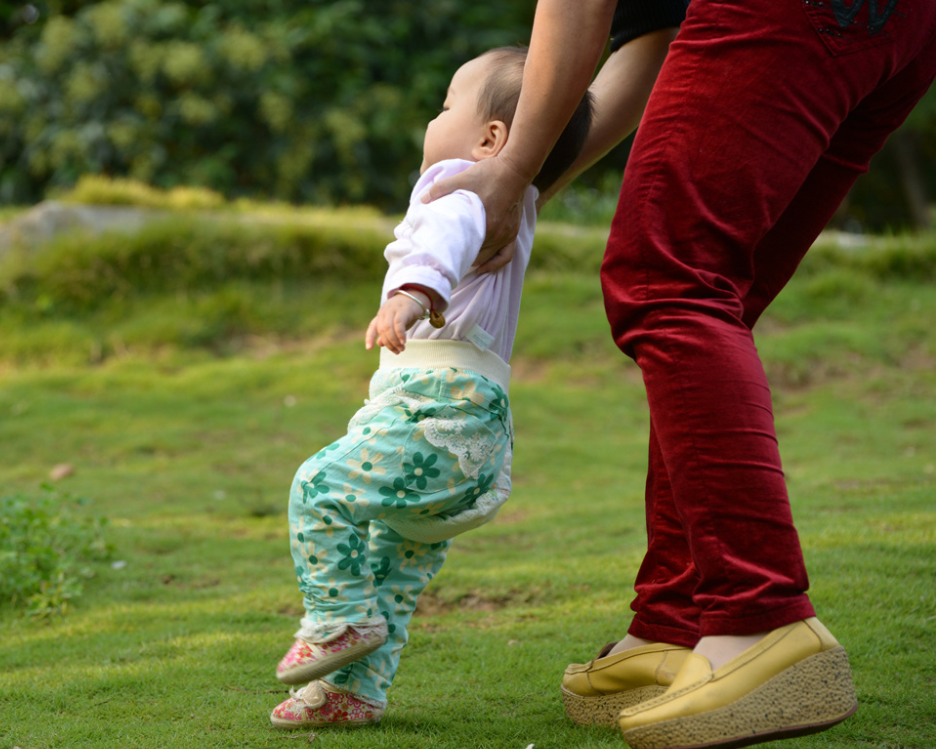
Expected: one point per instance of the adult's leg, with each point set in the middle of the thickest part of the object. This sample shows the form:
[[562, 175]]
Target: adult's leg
[[667, 578], [750, 181], [664, 609], [728, 143], [643, 664], [860, 136]]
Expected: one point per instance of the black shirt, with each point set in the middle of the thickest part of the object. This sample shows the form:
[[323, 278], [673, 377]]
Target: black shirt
[[634, 18]]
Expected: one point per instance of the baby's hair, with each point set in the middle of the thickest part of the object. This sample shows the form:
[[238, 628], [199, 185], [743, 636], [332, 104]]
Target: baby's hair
[[498, 99], [500, 93]]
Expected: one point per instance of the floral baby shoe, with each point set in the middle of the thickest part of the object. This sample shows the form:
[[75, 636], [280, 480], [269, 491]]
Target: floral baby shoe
[[307, 661], [318, 704]]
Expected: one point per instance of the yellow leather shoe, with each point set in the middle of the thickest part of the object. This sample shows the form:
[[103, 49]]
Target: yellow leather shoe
[[794, 682], [596, 692]]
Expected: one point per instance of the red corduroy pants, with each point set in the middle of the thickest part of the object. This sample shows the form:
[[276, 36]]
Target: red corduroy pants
[[764, 114]]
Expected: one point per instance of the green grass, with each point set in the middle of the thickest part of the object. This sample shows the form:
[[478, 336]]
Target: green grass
[[185, 417]]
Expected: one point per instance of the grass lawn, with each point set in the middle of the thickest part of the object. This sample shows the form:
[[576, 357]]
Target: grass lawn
[[189, 453]]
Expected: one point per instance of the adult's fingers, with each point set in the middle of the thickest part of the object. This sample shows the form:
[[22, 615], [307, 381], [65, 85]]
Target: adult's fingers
[[502, 230], [492, 262], [443, 187]]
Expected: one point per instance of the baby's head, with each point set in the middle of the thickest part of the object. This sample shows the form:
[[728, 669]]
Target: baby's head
[[479, 109]]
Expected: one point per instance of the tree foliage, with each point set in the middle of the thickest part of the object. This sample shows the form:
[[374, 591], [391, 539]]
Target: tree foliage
[[313, 100]]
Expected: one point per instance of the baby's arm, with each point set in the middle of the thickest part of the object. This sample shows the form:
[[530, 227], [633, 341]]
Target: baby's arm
[[434, 250], [436, 245]]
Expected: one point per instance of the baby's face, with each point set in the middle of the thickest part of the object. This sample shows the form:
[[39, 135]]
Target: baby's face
[[458, 127]]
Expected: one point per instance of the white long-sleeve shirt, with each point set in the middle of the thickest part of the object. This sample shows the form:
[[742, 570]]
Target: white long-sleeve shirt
[[436, 245]]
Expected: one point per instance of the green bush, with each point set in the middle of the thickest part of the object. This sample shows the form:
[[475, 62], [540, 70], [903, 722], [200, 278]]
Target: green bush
[[46, 543], [182, 254], [896, 257], [245, 272], [98, 190], [901, 257], [586, 204]]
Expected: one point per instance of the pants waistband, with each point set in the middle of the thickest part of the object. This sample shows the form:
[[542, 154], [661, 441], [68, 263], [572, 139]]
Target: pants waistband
[[439, 354]]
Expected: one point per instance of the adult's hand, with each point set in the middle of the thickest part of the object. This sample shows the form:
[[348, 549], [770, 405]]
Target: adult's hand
[[489, 261], [501, 188]]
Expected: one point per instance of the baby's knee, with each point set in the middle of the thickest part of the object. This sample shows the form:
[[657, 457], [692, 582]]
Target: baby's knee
[[310, 485]]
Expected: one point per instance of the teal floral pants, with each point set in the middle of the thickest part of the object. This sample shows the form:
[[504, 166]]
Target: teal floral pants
[[428, 443]]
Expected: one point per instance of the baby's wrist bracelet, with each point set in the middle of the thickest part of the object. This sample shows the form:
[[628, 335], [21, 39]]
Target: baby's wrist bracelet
[[436, 319]]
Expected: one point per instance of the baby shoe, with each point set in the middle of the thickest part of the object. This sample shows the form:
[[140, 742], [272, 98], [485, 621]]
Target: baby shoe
[[307, 661], [320, 704]]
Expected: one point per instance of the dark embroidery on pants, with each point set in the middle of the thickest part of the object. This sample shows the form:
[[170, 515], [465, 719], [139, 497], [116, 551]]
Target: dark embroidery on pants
[[877, 17]]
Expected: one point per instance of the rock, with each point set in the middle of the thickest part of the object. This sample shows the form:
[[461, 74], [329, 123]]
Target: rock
[[51, 218]]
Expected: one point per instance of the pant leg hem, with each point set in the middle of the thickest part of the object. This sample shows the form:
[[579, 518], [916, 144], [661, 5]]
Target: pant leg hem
[[312, 630], [663, 633], [726, 624], [380, 704]]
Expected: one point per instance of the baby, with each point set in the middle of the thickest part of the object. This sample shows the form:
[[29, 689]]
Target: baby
[[372, 515]]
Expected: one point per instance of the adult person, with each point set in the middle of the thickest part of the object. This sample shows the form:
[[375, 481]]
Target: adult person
[[762, 117]]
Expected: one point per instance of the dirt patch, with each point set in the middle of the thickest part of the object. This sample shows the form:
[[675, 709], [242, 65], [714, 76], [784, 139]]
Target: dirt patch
[[874, 486], [206, 582], [802, 375], [528, 370], [511, 517], [430, 605]]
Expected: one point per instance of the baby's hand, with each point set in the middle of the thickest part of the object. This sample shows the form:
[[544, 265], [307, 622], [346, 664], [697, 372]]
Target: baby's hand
[[393, 319]]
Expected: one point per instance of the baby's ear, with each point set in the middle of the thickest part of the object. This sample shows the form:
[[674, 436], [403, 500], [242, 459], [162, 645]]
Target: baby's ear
[[493, 139]]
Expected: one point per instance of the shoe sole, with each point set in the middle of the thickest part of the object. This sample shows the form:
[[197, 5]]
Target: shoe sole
[[280, 723], [324, 666], [808, 697], [603, 710]]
